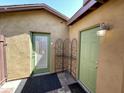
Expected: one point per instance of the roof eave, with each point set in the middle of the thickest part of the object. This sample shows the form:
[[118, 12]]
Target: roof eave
[[17, 8], [84, 9]]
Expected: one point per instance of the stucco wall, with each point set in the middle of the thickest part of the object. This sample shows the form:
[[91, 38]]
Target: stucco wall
[[16, 27], [123, 81], [111, 58]]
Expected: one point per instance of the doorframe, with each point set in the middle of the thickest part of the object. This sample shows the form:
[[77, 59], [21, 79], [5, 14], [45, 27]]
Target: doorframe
[[32, 66], [79, 43], [88, 28]]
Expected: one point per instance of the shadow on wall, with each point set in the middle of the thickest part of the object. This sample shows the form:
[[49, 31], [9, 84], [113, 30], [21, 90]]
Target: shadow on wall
[[16, 27]]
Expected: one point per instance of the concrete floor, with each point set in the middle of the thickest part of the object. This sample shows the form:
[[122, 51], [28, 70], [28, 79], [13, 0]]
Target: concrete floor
[[65, 79], [16, 86], [10, 87]]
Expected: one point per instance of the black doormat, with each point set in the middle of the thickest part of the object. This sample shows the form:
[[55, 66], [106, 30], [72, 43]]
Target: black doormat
[[76, 88], [42, 84]]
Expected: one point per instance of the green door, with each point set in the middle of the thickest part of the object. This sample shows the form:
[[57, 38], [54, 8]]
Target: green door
[[41, 49], [88, 58]]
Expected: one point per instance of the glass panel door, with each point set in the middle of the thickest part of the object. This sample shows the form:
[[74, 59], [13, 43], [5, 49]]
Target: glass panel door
[[41, 52]]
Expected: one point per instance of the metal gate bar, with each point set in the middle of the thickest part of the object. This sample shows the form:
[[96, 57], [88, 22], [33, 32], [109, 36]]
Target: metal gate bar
[[59, 55], [66, 54], [73, 65]]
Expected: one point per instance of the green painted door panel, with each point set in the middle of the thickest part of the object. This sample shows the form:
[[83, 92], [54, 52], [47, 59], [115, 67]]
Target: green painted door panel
[[88, 58], [41, 52]]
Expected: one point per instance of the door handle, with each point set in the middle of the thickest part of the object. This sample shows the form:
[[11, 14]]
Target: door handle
[[96, 66]]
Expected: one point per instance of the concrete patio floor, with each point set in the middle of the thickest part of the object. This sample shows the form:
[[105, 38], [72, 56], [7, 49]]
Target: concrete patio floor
[[17, 85], [10, 87], [65, 79]]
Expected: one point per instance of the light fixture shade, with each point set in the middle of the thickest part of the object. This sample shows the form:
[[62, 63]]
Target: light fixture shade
[[101, 32], [103, 29]]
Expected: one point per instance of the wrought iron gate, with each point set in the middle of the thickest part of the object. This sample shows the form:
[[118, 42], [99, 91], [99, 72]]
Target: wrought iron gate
[[59, 55], [2, 60], [66, 56], [73, 64]]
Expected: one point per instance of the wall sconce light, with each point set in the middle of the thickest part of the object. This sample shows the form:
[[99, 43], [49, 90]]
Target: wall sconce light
[[103, 29], [51, 43]]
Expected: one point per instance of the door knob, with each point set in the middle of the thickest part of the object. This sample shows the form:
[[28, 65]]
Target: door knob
[[96, 66]]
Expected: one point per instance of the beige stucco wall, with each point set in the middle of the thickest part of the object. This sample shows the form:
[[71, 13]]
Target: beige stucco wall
[[123, 81], [16, 27], [111, 59]]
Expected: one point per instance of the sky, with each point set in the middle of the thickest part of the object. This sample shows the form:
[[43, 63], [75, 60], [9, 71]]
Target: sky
[[66, 7]]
